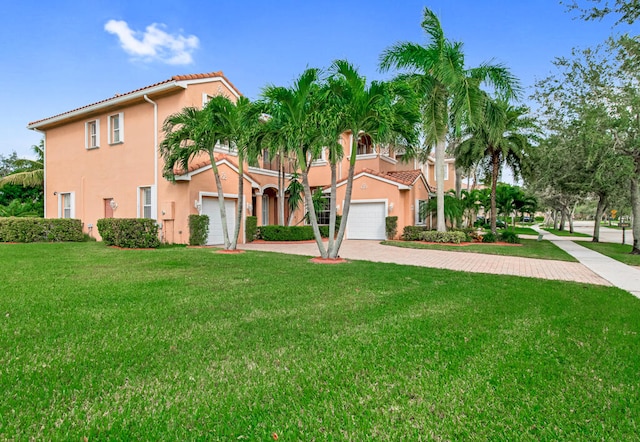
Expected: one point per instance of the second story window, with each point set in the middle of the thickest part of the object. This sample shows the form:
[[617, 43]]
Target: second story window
[[116, 128], [365, 145], [92, 134]]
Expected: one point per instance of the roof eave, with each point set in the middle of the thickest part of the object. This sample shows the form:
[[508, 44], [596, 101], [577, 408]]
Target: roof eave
[[38, 125]]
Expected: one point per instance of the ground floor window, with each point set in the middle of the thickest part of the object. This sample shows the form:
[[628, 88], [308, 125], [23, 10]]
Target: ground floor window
[[421, 216], [145, 202]]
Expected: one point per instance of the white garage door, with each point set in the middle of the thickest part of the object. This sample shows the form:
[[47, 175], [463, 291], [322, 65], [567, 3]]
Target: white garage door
[[366, 221], [211, 208]]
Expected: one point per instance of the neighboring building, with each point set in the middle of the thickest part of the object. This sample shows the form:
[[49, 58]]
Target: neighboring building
[[101, 160]]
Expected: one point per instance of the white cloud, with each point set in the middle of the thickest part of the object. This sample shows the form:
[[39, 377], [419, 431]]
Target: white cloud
[[154, 44]]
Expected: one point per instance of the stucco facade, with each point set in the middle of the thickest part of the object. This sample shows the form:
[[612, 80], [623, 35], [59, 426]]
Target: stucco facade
[[102, 160]]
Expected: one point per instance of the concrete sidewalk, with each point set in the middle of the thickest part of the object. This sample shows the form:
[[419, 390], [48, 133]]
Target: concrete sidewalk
[[618, 274], [461, 261]]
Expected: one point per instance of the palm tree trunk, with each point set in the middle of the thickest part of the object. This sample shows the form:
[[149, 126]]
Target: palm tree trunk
[[240, 208], [440, 147], [332, 208], [312, 213], [345, 210], [281, 189], [494, 184], [223, 211]]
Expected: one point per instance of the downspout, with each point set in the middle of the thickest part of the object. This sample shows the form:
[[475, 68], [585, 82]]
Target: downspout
[[155, 150]]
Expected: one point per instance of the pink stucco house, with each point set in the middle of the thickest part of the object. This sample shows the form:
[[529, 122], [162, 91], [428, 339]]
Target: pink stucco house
[[101, 160]]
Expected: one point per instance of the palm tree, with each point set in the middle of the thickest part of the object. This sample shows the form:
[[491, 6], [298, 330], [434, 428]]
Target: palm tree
[[29, 173], [295, 114], [382, 111], [450, 92], [189, 133], [503, 136], [236, 124]]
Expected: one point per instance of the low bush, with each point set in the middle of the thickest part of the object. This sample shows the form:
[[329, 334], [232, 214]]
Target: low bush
[[391, 226], [412, 233], [18, 229], [443, 237], [286, 233], [130, 233], [510, 237], [198, 229], [251, 228], [489, 237]]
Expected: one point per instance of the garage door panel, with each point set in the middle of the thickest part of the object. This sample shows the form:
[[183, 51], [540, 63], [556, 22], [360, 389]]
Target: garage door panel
[[211, 208], [366, 221]]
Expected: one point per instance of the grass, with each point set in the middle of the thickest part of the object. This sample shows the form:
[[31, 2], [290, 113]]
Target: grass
[[619, 252], [521, 230], [184, 344], [530, 248], [565, 232]]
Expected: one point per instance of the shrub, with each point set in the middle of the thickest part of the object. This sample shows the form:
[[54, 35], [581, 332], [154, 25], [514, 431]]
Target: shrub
[[198, 230], [539, 219], [510, 237], [470, 234], [324, 230], [286, 233], [412, 233], [489, 237], [15, 229], [391, 226], [443, 237], [251, 228], [130, 233]]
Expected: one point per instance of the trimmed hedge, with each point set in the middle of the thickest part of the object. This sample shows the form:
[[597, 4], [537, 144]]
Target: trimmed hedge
[[198, 229], [286, 233], [413, 233], [130, 233], [391, 226], [14, 229], [443, 237], [251, 228]]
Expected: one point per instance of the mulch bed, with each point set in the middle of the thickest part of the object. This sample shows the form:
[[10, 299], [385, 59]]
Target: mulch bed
[[319, 260]]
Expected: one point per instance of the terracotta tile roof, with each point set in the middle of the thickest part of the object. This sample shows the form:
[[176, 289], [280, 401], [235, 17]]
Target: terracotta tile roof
[[406, 177], [187, 77]]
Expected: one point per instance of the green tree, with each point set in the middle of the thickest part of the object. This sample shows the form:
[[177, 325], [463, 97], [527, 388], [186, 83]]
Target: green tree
[[627, 11], [450, 92], [26, 172], [503, 136], [187, 134]]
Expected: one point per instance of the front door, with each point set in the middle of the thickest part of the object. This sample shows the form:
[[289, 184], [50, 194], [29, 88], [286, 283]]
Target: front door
[[108, 209]]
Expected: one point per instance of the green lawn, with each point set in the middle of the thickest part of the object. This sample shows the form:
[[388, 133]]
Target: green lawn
[[530, 248], [616, 251], [565, 232], [184, 344], [521, 230]]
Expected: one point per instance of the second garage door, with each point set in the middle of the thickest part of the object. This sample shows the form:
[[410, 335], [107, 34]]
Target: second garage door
[[211, 208], [366, 221]]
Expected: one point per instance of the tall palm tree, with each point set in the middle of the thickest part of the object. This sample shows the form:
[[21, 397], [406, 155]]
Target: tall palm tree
[[380, 110], [189, 133], [450, 92], [29, 173], [504, 135], [295, 114], [236, 124]]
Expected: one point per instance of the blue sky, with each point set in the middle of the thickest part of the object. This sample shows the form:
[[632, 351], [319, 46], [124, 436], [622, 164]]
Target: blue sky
[[58, 56]]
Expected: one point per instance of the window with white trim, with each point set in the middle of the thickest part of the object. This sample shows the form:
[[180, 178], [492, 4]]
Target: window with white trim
[[116, 128], [66, 205], [446, 171], [146, 204], [92, 134], [421, 212]]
